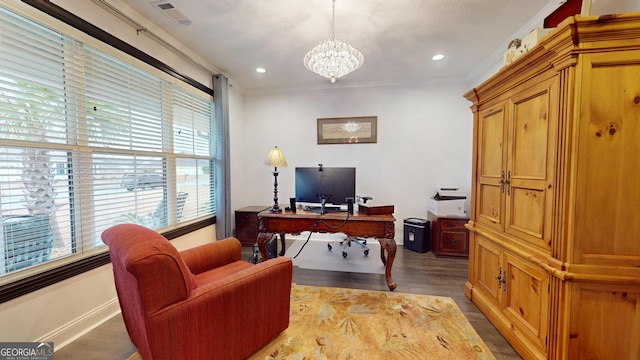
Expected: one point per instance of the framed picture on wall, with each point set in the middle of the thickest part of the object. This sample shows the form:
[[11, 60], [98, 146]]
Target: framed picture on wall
[[348, 130]]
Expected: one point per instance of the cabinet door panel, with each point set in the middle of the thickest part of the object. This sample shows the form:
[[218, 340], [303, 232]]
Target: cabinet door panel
[[530, 134], [527, 208], [487, 266], [492, 128], [489, 206], [531, 161], [526, 301], [491, 169], [607, 199], [605, 322]]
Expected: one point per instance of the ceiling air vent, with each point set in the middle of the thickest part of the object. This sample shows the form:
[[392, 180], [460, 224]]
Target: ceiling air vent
[[169, 10]]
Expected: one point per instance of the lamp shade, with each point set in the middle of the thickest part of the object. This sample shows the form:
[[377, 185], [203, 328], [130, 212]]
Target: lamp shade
[[276, 158]]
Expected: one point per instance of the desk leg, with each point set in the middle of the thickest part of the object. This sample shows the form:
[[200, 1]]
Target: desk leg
[[388, 246], [282, 244], [263, 239]]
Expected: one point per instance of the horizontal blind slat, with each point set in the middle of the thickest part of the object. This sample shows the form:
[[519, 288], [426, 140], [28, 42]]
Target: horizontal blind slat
[[88, 141]]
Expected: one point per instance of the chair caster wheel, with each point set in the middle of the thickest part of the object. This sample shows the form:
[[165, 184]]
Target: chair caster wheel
[[344, 254], [329, 246], [366, 253]]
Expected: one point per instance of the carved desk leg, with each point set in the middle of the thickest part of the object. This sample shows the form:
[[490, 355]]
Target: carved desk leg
[[282, 244], [263, 239], [388, 246]]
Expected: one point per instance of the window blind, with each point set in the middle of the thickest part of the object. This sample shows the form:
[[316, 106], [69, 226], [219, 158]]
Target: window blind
[[87, 141]]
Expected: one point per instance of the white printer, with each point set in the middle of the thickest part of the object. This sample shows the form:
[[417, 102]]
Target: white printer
[[449, 201]]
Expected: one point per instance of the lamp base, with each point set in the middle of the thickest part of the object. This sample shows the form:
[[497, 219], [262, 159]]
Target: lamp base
[[275, 207]]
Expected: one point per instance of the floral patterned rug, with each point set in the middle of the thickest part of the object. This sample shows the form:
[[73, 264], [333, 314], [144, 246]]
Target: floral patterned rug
[[334, 323]]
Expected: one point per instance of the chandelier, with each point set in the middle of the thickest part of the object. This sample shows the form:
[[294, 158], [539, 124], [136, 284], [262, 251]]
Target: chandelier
[[333, 58]]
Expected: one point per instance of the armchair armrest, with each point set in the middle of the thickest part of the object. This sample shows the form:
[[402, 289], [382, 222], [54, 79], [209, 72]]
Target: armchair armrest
[[209, 256], [268, 273]]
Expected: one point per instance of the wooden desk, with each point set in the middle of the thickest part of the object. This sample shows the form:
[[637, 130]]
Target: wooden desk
[[380, 227]]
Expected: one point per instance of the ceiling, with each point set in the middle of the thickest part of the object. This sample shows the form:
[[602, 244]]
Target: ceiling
[[397, 38]]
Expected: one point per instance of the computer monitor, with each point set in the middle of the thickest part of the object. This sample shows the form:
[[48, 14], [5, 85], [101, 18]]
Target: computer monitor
[[332, 184]]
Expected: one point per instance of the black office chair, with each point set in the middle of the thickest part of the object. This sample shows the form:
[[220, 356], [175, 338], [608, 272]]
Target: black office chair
[[345, 243]]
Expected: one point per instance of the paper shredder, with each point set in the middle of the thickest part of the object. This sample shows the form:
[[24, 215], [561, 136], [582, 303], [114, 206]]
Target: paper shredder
[[417, 234]]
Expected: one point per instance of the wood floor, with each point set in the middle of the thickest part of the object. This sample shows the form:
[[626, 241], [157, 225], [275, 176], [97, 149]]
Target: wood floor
[[413, 273]]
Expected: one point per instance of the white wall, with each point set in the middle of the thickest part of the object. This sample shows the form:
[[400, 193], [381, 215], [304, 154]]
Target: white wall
[[237, 151], [604, 7], [424, 140]]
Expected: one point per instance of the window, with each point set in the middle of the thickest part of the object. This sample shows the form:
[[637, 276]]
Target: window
[[87, 141]]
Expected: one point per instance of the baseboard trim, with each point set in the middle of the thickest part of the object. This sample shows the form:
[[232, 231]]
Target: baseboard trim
[[80, 326]]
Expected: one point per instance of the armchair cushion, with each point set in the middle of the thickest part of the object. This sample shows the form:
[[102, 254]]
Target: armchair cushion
[[201, 303]]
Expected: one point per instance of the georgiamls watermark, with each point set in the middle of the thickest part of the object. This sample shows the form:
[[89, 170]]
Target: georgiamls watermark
[[26, 351]]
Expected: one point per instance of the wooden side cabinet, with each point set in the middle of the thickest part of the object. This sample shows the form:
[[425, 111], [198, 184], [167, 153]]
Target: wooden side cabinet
[[247, 224], [449, 237]]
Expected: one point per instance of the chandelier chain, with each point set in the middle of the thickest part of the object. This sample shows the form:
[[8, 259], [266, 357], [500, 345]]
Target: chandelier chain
[[333, 21]]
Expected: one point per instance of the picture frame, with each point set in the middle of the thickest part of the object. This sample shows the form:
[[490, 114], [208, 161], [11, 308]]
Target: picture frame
[[348, 130]]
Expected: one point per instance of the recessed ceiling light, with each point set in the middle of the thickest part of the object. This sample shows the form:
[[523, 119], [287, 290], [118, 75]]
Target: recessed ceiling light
[[437, 57], [261, 70]]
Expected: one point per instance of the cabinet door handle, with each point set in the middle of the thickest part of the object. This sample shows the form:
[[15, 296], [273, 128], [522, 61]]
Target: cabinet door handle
[[502, 182], [453, 242], [508, 182], [502, 279]]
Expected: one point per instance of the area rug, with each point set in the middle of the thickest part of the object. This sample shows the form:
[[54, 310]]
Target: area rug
[[335, 323], [316, 255]]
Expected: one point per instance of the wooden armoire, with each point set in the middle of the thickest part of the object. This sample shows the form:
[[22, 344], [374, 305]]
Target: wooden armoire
[[555, 222]]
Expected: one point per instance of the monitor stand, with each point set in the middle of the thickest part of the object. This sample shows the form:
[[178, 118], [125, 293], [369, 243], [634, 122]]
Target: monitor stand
[[323, 209]]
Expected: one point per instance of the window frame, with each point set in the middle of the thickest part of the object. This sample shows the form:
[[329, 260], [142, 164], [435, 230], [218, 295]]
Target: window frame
[[52, 274]]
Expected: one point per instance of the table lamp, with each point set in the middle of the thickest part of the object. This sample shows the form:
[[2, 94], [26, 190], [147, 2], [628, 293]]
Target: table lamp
[[276, 159]]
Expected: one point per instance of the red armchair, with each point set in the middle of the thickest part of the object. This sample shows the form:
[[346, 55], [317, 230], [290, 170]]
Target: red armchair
[[201, 303]]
